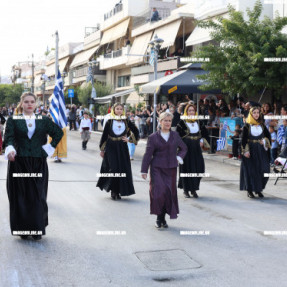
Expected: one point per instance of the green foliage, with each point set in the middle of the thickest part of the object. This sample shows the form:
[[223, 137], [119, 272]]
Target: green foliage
[[84, 94], [237, 64], [10, 94]]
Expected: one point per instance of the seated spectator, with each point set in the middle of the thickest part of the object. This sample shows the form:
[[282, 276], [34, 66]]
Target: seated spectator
[[155, 16]]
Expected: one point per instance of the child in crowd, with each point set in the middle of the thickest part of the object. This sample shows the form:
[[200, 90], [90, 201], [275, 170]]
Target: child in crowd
[[235, 141], [274, 145]]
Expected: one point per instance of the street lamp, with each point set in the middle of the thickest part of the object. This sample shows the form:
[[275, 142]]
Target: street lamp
[[154, 47]]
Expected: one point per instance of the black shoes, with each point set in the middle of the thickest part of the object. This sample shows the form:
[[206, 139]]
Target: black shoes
[[115, 196], [161, 222], [250, 194], [186, 194], [158, 224], [260, 194], [164, 224], [194, 194]]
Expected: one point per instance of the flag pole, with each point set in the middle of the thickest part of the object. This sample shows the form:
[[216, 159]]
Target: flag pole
[[56, 55]]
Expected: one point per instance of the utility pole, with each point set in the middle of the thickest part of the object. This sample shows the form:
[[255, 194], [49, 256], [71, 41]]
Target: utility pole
[[33, 78], [56, 56]]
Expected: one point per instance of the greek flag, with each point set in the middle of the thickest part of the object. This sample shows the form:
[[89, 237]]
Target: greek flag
[[90, 77], [221, 144], [280, 134], [57, 105], [151, 57]]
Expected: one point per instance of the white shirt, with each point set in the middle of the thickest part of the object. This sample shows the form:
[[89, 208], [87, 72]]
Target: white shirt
[[256, 130], [85, 123], [193, 127], [118, 127]]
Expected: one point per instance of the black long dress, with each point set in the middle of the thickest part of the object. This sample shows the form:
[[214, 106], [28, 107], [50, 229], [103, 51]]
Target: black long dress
[[252, 169], [193, 161], [28, 195], [116, 159]]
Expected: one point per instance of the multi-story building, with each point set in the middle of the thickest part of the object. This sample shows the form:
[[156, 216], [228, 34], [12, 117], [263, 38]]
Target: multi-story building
[[119, 40]]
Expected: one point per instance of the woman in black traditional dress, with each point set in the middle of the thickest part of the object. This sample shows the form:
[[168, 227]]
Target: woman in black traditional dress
[[193, 134], [255, 149], [115, 153], [26, 145]]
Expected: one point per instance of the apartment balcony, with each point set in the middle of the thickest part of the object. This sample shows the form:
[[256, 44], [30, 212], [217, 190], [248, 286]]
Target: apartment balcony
[[114, 59], [80, 74]]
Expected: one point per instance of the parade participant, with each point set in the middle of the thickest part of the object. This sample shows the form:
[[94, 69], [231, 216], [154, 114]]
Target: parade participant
[[255, 149], [193, 134], [27, 149], [114, 150], [162, 156], [85, 130]]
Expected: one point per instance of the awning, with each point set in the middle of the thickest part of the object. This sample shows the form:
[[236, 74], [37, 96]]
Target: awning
[[108, 99], [199, 35], [139, 47], [168, 33], [116, 32], [182, 83], [83, 57], [50, 71]]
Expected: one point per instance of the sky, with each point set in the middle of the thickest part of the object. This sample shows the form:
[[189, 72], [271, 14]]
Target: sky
[[27, 26]]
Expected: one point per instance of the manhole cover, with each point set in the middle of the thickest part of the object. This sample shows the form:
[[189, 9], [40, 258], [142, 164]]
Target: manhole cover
[[167, 260]]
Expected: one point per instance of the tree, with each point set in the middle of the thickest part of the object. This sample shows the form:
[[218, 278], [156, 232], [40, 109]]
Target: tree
[[10, 94], [85, 93], [237, 64]]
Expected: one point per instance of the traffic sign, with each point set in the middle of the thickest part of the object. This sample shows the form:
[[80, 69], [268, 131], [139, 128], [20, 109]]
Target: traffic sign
[[71, 93]]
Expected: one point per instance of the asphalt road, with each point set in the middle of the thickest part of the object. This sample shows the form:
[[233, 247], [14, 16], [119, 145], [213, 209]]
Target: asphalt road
[[234, 251]]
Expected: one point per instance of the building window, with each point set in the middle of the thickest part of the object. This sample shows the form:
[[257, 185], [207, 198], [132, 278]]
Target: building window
[[123, 81]]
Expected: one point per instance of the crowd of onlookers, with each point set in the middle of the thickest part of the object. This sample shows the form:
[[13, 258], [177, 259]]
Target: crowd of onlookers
[[212, 109]]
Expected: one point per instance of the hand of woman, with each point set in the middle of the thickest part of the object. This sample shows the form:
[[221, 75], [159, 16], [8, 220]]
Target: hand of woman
[[144, 176], [102, 153], [125, 139], [201, 144], [247, 154], [11, 156], [262, 142]]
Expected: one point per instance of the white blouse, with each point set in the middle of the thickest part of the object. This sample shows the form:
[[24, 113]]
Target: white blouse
[[118, 127], [193, 127], [256, 130]]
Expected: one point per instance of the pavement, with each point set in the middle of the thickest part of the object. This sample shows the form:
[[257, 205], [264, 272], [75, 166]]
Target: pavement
[[220, 239]]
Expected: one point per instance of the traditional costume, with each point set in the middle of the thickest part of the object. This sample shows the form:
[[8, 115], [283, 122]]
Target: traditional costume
[[252, 169], [116, 157], [28, 195], [192, 132]]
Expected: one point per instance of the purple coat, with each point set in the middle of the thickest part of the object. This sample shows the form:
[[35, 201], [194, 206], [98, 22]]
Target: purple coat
[[160, 153]]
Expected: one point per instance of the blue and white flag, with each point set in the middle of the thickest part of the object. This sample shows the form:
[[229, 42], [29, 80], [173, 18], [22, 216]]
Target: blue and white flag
[[280, 134], [90, 76], [221, 143], [57, 105], [151, 57]]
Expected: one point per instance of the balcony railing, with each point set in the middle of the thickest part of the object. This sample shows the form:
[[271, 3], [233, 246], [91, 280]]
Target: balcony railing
[[82, 72], [118, 8], [114, 54], [145, 17]]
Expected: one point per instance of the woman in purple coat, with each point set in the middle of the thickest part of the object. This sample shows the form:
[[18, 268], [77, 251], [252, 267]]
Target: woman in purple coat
[[162, 156]]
